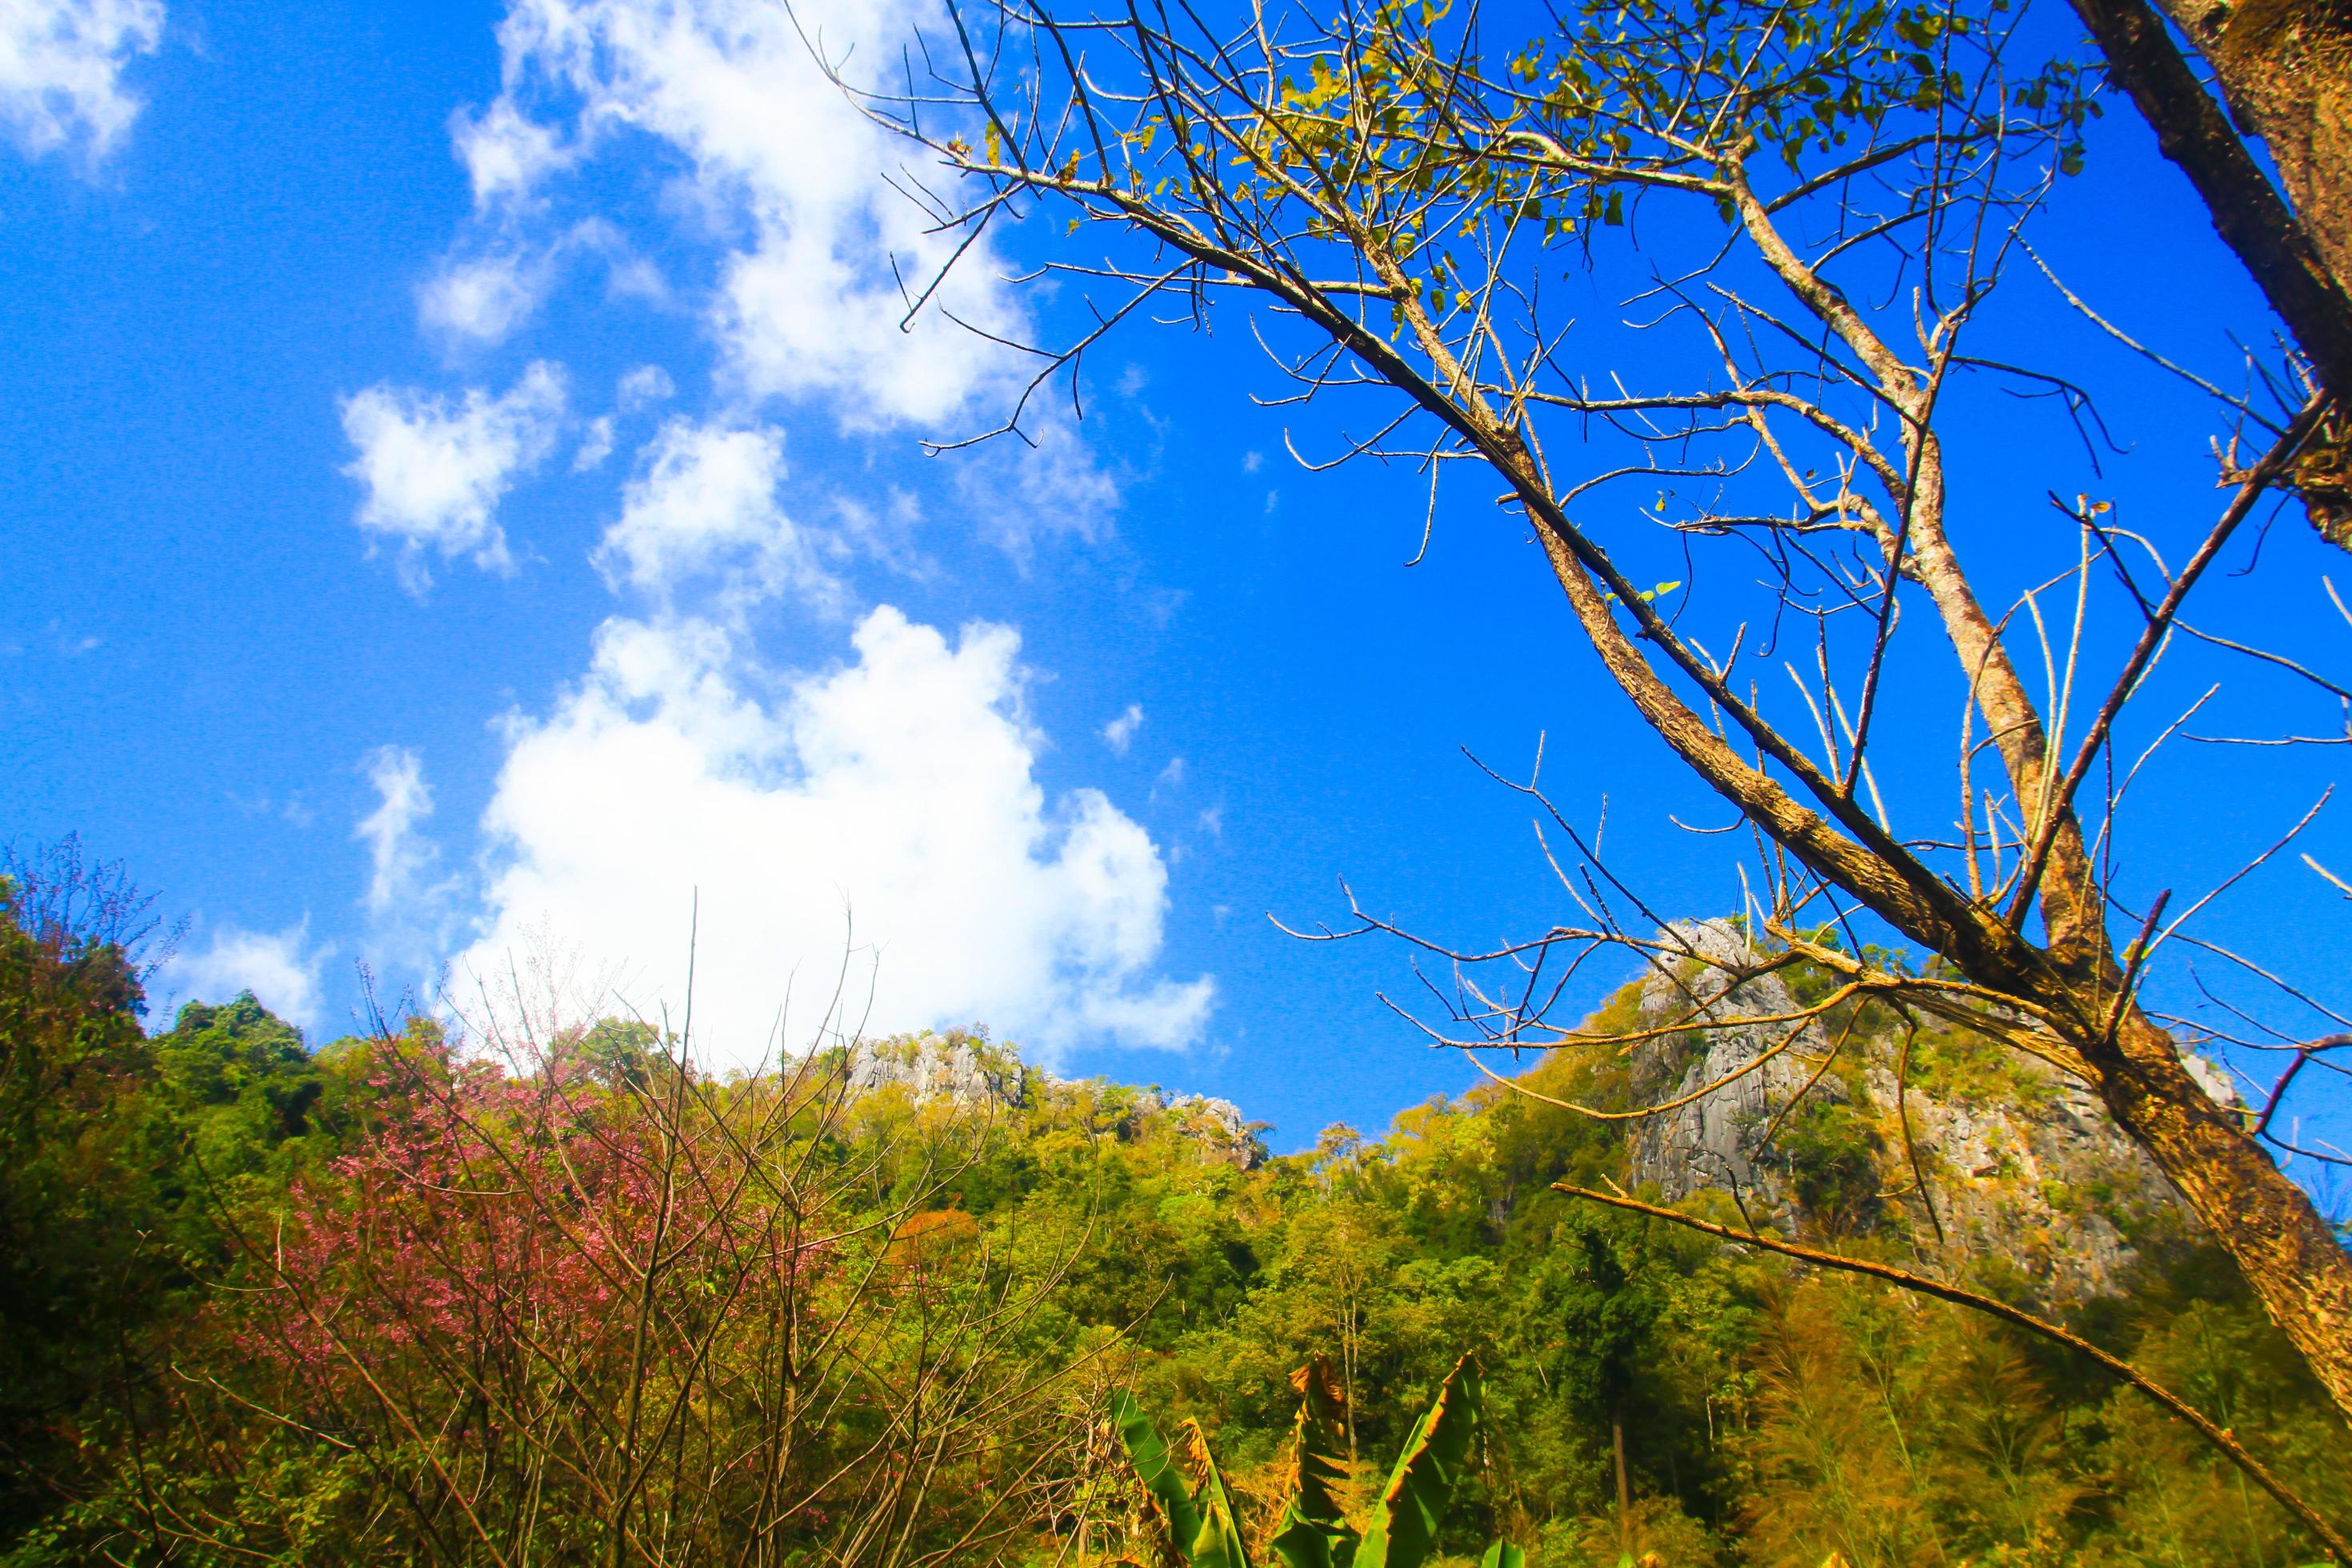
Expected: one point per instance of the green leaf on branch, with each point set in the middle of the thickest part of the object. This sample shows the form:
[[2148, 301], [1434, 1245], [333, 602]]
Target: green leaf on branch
[[1647, 595]]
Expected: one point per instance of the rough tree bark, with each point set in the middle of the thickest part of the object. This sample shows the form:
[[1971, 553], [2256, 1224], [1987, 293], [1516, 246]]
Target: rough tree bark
[[2285, 67]]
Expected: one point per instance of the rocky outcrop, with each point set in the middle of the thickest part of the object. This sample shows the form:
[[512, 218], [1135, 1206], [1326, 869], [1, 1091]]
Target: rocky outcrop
[[970, 1071], [1714, 1137], [2019, 1170], [1217, 1125], [967, 1069]]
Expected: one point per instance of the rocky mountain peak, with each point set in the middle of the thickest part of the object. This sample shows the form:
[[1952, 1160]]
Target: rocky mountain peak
[[2005, 1160], [970, 1071]]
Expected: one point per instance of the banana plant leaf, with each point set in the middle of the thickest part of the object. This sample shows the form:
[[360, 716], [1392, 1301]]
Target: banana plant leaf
[[1413, 1505], [1217, 1544], [1312, 1531], [1157, 1469]]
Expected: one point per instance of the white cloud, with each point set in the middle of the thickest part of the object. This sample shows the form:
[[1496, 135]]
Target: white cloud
[[705, 509], [487, 298], [399, 859], [435, 470], [410, 909], [644, 387], [494, 284], [902, 786], [1051, 488], [778, 199], [595, 446], [505, 154], [60, 69], [808, 300], [1119, 731], [271, 964], [900, 790], [637, 390]]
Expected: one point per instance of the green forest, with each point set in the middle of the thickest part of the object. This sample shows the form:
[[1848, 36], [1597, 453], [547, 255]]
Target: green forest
[[558, 1297]]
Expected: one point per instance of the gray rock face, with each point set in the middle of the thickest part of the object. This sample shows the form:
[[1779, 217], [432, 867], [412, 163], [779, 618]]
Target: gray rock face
[[966, 1070], [2029, 1177], [1714, 1139], [2052, 1187], [955, 1067], [1217, 1125]]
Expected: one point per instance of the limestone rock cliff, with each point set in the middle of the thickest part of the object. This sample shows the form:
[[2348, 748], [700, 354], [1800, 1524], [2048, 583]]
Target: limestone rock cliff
[[2010, 1168], [967, 1069], [970, 1071]]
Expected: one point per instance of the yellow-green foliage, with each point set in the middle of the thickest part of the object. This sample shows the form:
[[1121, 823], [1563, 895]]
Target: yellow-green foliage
[[1769, 1417], [1307, 1528]]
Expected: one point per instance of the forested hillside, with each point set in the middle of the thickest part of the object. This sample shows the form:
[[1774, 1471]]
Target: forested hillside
[[548, 1299]]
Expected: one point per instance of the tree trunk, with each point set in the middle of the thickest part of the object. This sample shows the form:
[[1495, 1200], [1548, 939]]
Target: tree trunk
[[2285, 67], [1348, 1369], [2288, 1254], [1624, 1488]]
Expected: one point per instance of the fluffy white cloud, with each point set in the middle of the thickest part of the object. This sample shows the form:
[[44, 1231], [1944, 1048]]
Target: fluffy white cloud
[[899, 791], [808, 299], [643, 387], [399, 859], [486, 297], [505, 154], [777, 187], [487, 290], [61, 68], [436, 468], [704, 511], [273, 966], [1119, 734], [594, 446], [411, 908]]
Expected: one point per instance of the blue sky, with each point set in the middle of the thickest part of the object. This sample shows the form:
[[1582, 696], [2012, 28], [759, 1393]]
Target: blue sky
[[464, 495]]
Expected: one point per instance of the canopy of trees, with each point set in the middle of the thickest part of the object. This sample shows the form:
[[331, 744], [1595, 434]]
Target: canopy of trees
[[545, 1296]]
